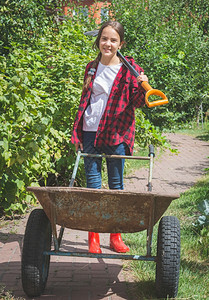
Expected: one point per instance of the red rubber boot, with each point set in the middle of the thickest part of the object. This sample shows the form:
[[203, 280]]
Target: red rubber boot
[[117, 244], [94, 244]]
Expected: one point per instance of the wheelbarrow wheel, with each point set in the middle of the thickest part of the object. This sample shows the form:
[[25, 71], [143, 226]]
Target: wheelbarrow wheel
[[35, 265], [168, 257]]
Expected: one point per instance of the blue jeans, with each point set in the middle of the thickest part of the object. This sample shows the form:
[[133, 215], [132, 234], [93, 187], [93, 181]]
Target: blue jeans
[[93, 166]]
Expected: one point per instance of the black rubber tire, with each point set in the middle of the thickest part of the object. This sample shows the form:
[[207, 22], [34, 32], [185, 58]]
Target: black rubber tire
[[168, 257], [35, 265]]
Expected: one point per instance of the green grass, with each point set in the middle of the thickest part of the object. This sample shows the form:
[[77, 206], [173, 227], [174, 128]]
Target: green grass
[[7, 295], [194, 270], [199, 132]]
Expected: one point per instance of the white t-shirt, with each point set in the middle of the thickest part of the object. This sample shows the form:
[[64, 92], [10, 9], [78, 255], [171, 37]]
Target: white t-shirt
[[101, 89]]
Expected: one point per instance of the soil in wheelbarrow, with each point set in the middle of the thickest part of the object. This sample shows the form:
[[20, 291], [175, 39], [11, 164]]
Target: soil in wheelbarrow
[[81, 278]]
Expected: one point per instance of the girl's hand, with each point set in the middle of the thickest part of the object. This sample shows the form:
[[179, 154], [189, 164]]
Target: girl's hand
[[79, 146], [142, 77]]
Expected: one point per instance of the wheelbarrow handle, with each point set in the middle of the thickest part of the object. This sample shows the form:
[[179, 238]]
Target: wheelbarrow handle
[[75, 168], [149, 90]]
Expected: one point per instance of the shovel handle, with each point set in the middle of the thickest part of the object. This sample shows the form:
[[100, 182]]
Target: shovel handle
[[149, 90]]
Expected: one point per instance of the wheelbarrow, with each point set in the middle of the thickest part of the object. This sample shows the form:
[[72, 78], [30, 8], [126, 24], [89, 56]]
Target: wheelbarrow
[[104, 211]]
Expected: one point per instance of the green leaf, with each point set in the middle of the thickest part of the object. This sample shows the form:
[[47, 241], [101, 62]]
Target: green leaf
[[20, 106], [20, 184], [4, 144], [33, 145], [204, 207]]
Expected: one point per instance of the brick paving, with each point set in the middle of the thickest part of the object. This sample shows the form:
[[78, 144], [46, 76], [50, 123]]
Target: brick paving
[[174, 172], [88, 279]]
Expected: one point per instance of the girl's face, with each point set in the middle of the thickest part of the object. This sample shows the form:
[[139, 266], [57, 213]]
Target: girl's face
[[109, 42]]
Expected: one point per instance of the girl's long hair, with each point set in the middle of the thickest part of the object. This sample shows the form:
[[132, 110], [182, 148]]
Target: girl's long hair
[[119, 29]]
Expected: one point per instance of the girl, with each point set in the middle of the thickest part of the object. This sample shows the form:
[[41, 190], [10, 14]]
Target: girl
[[105, 120]]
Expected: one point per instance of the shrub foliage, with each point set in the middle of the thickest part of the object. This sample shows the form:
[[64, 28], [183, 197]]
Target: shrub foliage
[[40, 87], [169, 39]]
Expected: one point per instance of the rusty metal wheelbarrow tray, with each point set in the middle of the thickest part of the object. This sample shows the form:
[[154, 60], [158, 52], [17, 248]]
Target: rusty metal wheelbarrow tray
[[101, 210]]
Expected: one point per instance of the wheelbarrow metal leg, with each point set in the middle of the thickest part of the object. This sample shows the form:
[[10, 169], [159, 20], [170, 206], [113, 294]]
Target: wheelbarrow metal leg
[[150, 228], [56, 240], [60, 235], [151, 155]]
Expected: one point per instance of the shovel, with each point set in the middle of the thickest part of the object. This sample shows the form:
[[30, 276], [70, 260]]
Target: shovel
[[149, 90]]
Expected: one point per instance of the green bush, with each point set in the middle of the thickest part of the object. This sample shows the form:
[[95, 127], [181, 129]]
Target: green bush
[[169, 39], [40, 88], [23, 21], [146, 133]]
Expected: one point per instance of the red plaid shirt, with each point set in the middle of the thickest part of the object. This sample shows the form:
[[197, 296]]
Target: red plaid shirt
[[117, 124]]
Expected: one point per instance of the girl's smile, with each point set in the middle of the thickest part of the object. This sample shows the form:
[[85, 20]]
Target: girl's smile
[[108, 45]]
